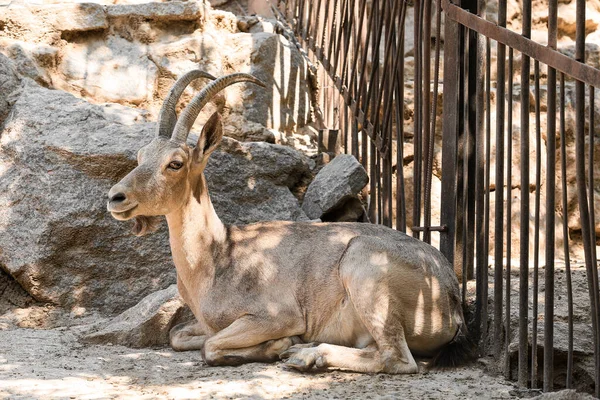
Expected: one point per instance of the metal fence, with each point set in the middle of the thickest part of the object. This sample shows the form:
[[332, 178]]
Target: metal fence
[[366, 65]]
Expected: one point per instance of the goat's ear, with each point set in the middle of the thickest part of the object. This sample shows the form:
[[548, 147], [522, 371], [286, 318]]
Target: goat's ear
[[209, 138]]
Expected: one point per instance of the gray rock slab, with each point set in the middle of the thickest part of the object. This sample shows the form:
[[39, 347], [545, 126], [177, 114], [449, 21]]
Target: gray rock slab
[[147, 323], [171, 11], [45, 18], [74, 17]]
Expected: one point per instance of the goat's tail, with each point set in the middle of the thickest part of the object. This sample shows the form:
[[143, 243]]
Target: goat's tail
[[459, 351]]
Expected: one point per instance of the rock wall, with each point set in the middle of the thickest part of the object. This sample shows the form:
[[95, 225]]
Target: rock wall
[[132, 53]]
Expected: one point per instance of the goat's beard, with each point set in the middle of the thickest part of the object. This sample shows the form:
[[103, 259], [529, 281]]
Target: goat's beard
[[143, 225]]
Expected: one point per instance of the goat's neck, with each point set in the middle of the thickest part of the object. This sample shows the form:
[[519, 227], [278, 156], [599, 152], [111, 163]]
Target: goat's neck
[[196, 234]]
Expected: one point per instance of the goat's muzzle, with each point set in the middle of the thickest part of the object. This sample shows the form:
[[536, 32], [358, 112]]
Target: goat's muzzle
[[119, 205]]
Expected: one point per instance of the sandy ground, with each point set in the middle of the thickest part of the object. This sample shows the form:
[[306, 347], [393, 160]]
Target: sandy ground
[[52, 364]]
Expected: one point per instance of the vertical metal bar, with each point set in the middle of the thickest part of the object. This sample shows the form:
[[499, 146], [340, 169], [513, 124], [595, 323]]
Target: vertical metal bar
[[390, 85], [354, 125], [323, 32], [342, 17], [351, 90], [591, 170], [357, 53], [365, 152], [464, 146], [400, 193], [548, 339], [369, 105], [332, 32], [348, 24], [536, 240], [418, 132], [452, 71], [524, 224], [387, 185], [360, 98], [325, 98], [483, 256], [378, 173], [387, 65], [436, 79], [481, 260], [373, 182], [509, 157], [461, 162], [471, 140], [499, 195], [581, 181], [426, 109], [307, 31], [300, 25], [317, 29], [550, 207]]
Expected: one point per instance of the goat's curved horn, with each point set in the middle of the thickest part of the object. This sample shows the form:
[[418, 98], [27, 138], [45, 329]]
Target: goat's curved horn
[[189, 115], [167, 116]]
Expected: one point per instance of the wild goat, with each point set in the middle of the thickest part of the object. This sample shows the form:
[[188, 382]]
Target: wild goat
[[344, 295]]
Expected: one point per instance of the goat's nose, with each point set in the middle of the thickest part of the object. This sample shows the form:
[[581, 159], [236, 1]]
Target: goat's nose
[[117, 197]]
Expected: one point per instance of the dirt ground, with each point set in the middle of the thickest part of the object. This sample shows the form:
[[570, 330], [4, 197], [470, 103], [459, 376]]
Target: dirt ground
[[52, 364]]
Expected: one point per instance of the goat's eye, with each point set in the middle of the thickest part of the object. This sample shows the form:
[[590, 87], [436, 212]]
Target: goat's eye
[[175, 165]]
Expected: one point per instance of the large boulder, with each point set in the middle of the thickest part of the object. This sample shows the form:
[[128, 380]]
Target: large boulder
[[60, 155], [336, 183], [252, 182]]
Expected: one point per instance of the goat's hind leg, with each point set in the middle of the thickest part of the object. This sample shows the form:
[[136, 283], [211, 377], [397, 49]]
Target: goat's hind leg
[[363, 271]]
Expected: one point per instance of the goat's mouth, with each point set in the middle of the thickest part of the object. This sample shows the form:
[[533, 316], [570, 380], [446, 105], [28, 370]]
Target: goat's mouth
[[122, 215]]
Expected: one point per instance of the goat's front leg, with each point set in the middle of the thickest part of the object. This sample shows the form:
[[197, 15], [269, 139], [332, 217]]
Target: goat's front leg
[[187, 336], [250, 339]]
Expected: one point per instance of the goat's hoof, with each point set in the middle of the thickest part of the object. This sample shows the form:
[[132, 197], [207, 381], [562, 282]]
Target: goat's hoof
[[298, 346], [294, 349], [303, 358]]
